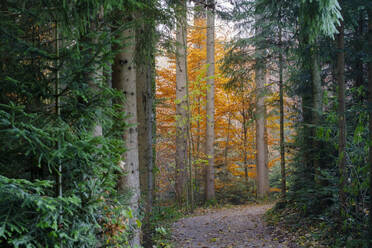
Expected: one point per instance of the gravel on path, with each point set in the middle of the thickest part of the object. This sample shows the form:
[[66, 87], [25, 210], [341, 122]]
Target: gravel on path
[[235, 227]]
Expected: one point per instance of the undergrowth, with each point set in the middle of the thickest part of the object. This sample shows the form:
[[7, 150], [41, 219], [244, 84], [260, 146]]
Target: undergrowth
[[162, 218], [313, 230]]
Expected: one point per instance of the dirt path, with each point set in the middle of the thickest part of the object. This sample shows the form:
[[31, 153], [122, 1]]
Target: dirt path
[[236, 227]]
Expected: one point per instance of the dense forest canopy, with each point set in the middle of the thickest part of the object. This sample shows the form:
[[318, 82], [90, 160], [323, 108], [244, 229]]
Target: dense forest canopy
[[117, 117]]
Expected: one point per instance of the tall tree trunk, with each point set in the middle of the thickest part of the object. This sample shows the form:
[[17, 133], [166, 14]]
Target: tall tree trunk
[[281, 107], [245, 143], [124, 79], [145, 68], [227, 141], [190, 147], [370, 117], [267, 184], [316, 104], [209, 146], [262, 187], [359, 72], [189, 152], [96, 76], [260, 68], [306, 107], [341, 115], [199, 13], [59, 183], [181, 103]]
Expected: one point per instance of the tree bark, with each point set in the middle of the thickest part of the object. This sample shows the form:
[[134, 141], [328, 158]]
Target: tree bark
[[370, 118], [281, 106], [124, 79], [145, 115], [209, 144], [227, 141], [306, 107], [181, 104], [245, 142], [262, 172], [262, 187], [359, 72], [267, 184], [199, 14], [316, 104], [340, 75], [96, 77], [189, 151]]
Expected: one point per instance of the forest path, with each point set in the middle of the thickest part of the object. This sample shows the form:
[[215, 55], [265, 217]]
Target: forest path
[[236, 227]]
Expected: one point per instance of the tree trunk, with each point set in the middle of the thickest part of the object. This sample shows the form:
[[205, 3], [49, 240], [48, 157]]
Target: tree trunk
[[96, 77], [316, 105], [181, 104], [245, 142], [281, 106], [262, 187], [370, 117], [227, 142], [260, 68], [145, 65], [341, 114], [124, 79], [267, 184], [199, 13], [209, 144], [359, 72], [306, 107], [189, 152], [142, 99]]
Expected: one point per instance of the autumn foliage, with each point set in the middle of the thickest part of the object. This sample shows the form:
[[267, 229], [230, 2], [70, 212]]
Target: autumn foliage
[[234, 118]]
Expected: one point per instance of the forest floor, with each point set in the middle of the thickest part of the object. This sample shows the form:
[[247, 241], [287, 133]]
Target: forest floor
[[234, 227]]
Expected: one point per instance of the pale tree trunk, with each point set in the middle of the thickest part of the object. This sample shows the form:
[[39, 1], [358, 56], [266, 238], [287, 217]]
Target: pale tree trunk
[[199, 13], [97, 130], [124, 79], [190, 148], [341, 115], [370, 119], [181, 103], [281, 106], [189, 151], [262, 177], [96, 76], [209, 144], [262, 172]]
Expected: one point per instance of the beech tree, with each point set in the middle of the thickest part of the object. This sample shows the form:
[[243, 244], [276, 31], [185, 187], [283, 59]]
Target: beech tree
[[181, 101], [209, 143], [261, 151], [124, 79]]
